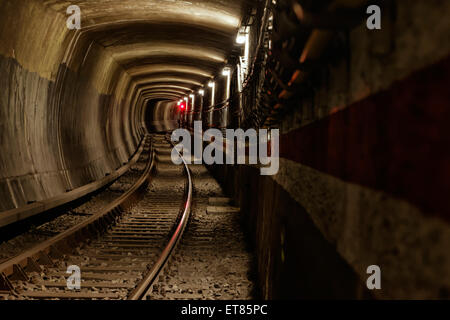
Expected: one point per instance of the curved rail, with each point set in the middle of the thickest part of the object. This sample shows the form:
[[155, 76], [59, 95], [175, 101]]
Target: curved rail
[[64, 242], [141, 291]]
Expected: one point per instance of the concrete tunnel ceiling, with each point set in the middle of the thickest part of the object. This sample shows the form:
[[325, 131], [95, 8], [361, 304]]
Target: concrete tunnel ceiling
[[85, 89]]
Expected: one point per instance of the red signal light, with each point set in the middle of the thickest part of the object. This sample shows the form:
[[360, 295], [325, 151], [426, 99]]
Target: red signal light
[[182, 106]]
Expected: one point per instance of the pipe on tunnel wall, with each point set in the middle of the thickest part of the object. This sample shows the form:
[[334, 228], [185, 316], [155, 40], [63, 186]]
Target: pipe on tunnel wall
[[66, 119]]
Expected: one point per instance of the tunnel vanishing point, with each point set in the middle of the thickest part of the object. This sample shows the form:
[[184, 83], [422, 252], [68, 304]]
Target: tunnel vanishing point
[[363, 118]]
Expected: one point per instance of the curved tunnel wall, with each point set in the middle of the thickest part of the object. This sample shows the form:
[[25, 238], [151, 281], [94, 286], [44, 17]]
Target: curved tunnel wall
[[72, 101]]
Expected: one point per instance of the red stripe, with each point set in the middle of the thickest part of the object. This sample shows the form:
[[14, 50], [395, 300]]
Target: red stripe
[[397, 141]]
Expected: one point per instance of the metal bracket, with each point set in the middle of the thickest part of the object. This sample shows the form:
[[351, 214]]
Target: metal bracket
[[19, 273], [5, 284], [32, 265]]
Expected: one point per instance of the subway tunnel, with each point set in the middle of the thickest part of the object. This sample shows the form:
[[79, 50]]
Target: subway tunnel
[[101, 106]]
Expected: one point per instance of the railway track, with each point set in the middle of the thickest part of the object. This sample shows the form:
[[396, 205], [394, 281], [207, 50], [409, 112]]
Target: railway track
[[120, 251], [18, 238]]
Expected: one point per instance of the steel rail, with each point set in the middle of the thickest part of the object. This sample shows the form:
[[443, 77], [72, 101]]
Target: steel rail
[[66, 241], [143, 288]]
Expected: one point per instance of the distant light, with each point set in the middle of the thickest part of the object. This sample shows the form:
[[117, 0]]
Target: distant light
[[179, 102], [226, 71], [191, 96], [201, 92], [211, 84]]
